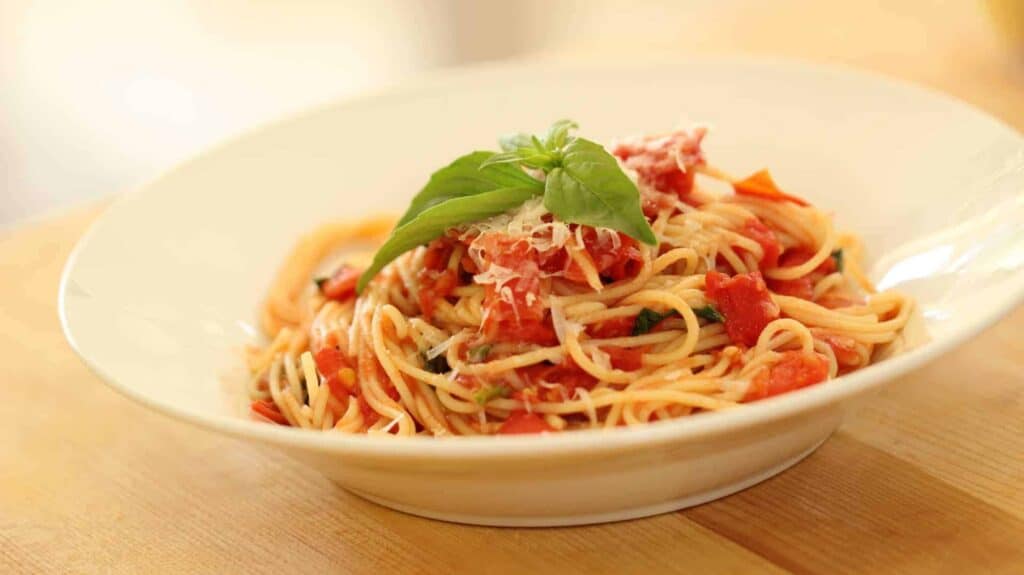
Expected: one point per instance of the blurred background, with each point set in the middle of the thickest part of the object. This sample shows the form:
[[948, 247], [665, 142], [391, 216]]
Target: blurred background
[[97, 97]]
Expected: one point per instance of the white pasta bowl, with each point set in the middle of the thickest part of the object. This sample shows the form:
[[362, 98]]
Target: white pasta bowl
[[162, 294]]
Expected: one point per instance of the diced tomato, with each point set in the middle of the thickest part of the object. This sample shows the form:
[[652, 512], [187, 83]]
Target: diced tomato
[[795, 370], [436, 279], [625, 358], [329, 360], [761, 185], [341, 285], [615, 327], [336, 406], [569, 375], [797, 256], [801, 287], [844, 348], [755, 229], [523, 422], [744, 301], [528, 395], [615, 259], [469, 265], [338, 389], [653, 203], [657, 159], [437, 254], [369, 415], [269, 410], [523, 319], [516, 311], [435, 286]]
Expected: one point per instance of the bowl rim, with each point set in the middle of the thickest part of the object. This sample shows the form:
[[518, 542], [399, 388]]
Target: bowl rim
[[580, 441]]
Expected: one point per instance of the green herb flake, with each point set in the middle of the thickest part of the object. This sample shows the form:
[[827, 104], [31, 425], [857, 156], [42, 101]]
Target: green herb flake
[[320, 282], [437, 364], [709, 313], [479, 353], [488, 393], [647, 319], [837, 256]]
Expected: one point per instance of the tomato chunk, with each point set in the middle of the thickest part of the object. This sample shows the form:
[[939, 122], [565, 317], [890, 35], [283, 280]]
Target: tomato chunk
[[523, 422], [797, 256], [338, 389], [625, 358], [755, 229], [615, 327], [514, 308], [744, 301], [268, 409], [329, 360], [844, 348], [796, 369], [762, 185], [341, 285], [369, 415], [567, 375], [436, 279], [801, 287], [615, 257], [665, 163]]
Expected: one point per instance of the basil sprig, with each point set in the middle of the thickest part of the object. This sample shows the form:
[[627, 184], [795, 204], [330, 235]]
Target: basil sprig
[[583, 184]]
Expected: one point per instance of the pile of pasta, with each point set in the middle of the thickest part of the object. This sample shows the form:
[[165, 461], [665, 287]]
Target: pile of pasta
[[524, 324]]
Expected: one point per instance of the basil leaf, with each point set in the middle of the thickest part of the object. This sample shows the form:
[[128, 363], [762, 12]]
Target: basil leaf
[[558, 134], [709, 313], [647, 319], [488, 393], [510, 157], [432, 222], [589, 188], [839, 259], [525, 156], [438, 364], [479, 353], [467, 176]]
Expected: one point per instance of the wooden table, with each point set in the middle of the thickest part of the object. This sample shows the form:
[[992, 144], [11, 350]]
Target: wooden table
[[925, 477]]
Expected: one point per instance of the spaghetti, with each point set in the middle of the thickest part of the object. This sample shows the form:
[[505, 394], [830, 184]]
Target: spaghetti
[[522, 323]]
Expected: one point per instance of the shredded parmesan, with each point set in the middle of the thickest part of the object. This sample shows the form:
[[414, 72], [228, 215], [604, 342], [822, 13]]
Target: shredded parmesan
[[525, 223], [584, 396], [562, 326], [439, 348], [601, 358]]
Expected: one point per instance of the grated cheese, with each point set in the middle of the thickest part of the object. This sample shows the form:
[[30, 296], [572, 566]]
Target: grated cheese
[[439, 348], [601, 358], [562, 326]]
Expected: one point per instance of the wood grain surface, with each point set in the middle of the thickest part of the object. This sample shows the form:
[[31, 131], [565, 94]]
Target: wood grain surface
[[927, 476]]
